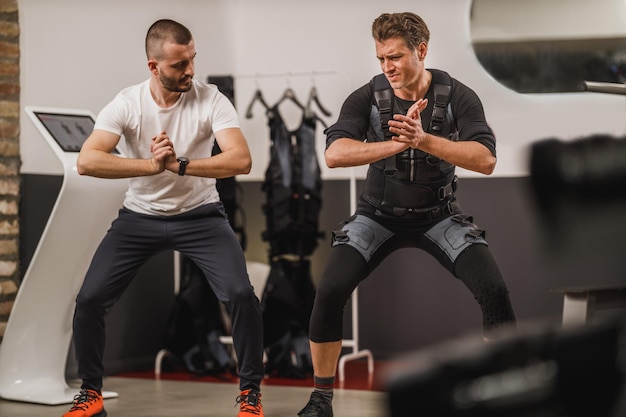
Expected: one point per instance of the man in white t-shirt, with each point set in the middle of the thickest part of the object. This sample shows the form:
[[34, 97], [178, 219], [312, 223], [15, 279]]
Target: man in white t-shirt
[[169, 124]]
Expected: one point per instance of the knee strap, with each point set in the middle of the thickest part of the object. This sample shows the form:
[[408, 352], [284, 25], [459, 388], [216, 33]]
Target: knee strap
[[363, 234]]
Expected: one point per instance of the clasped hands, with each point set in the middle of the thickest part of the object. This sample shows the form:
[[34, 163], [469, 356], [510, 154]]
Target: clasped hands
[[407, 129], [163, 153]]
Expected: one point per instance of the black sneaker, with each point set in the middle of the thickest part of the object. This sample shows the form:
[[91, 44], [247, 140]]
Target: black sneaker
[[318, 406]]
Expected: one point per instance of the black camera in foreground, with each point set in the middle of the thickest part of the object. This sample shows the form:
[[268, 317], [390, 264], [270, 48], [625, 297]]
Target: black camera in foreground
[[539, 372], [587, 171]]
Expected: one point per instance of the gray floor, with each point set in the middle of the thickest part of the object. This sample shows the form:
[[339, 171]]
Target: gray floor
[[158, 398]]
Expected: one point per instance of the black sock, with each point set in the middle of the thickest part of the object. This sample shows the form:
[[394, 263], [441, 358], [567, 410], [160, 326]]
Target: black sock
[[324, 386]]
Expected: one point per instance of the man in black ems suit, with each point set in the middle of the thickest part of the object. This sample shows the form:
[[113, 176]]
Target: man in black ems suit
[[412, 125]]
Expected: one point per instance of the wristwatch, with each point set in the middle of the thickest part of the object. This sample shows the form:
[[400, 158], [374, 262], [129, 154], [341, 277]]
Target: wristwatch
[[182, 165]]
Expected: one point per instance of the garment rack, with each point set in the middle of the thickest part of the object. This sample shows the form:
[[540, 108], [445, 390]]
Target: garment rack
[[287, 74]]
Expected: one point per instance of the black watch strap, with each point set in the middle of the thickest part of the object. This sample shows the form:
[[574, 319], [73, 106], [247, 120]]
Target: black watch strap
[[182, 165]]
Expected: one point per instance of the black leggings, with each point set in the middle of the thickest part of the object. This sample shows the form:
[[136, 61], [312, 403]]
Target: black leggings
[[346, 268]]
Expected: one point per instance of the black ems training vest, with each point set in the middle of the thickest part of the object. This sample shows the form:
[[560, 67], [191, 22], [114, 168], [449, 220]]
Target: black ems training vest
[[412, 180], [293, 186]]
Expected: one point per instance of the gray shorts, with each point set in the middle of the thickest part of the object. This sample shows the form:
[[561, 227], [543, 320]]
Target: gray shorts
[[452, 235]]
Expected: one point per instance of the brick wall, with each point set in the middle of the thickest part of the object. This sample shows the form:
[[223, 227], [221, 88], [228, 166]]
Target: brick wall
[[9, 157]]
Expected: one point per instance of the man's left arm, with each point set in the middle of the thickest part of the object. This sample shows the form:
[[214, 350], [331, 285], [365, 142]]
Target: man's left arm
[[470, 155], [234, 159]]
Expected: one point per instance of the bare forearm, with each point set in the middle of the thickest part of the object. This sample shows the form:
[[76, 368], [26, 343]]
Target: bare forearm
[[468, 155], [349, 153], [234, 159], [105, 165], [219, 166]]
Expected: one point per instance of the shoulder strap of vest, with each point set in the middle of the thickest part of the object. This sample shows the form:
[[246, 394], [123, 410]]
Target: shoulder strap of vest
[[383, 94], [442, 85]]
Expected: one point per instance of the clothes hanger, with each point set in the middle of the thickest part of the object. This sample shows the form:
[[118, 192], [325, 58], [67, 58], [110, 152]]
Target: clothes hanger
[[314, 97], [289, 94], [258, 96]]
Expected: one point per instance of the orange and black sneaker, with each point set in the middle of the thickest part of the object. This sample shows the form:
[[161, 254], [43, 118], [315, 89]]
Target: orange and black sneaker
[[87, 403], [249, 404]]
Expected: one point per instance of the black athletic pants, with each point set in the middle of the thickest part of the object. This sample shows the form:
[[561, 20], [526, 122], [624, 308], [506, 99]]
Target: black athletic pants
[[205, 236]]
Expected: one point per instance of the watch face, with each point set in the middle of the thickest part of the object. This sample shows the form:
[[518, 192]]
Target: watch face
[[182, 164]]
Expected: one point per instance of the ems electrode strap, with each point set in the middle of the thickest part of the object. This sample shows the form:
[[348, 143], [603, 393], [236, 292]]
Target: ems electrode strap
[[384, 99], [383, 94], [448, 189], [182, 165], [441, 92], [385, 104]]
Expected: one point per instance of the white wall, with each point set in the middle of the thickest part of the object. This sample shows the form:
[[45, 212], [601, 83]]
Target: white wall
[[503, 20], [79, 53]]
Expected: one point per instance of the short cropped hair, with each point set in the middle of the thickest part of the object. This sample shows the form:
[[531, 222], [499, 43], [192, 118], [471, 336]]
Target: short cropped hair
[[165, 30], [407, 26]]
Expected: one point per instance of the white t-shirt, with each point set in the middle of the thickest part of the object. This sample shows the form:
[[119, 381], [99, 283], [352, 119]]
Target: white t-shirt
[[190, 125]]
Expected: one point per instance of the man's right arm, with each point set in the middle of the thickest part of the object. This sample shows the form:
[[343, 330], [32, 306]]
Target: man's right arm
[[96, 160], [347, 152], [345, 145]]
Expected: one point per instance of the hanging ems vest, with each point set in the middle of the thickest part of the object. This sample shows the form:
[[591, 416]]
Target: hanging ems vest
[[293, 186], [413, 179]]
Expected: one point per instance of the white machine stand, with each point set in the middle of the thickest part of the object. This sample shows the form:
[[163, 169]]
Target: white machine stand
[[38, 334]]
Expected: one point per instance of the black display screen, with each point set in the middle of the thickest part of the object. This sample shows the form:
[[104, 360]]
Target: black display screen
[[69, 130]]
